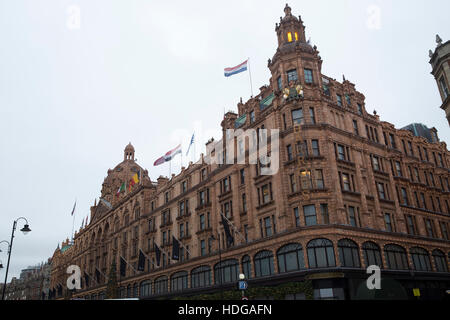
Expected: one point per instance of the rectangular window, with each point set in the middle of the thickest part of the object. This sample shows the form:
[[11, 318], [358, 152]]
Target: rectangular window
[[355, 127], [242, 175], [429, 226], [181, 233], [410, 147], [352, 216], [315, 148], [310, 215], [265, 193], [381, 192], [324, 212], [297, 116], [339, 100], [297, 217], [376, 163], [312, 115], [444, 230], [347, 99], [308, 76], [398, 169], [244, 203], [341, 152], [360, 112], [411, 225], [280, 83], [422, 197], [289, 152], [252, 116], [346, 182], [392, 141], [416, 174], [404, 197], [387, 222], [202, 222], [319, 179], [292, 75], [202, 247], [267, 227]]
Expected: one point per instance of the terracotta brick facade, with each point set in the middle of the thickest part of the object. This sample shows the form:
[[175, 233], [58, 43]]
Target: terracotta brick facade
[[354, 170]]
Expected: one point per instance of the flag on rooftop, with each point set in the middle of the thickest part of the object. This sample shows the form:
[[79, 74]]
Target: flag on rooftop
[[168, 156], [190, 144], [235, 70]]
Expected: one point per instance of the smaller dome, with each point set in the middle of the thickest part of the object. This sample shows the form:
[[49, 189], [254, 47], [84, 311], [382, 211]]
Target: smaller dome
[[129, 147]]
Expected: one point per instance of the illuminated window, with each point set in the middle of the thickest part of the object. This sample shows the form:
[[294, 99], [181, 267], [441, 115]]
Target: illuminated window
[[289, 35], [296, 36]]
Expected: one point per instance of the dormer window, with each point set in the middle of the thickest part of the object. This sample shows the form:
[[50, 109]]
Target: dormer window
[[289, 36]]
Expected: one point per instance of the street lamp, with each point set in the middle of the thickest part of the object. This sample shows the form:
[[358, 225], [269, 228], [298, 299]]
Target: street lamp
[[25, 230], [4, 242]]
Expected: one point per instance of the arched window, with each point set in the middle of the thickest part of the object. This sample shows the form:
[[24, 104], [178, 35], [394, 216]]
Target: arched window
[[321, 253], [439, 261], [296, 35], [263, 264], [161, 285], [372, 254], [122, 292], [348, 253], [421, 259], [246, 267], [289, 36], [135, 290], [201, 277], [145, 289], [290, 258], [179, 281], [129, 291], [226, 271], [396, 258]]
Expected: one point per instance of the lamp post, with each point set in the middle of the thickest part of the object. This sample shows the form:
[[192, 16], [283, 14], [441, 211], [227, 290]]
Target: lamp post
[[25, 230], [242, 278], [1, 263]]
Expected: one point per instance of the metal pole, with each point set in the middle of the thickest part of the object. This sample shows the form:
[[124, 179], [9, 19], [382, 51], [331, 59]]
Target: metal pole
[[250, 75], [220, 268], [9, 258]]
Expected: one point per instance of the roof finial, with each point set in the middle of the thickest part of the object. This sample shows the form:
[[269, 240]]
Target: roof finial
[[287, 10], [438, 40], [430, 53]]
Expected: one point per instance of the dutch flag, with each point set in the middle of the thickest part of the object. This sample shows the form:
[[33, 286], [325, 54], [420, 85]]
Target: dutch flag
[[239, 68], [168, 156]]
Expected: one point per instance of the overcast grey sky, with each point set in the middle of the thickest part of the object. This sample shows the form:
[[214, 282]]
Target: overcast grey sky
[[72, 96]]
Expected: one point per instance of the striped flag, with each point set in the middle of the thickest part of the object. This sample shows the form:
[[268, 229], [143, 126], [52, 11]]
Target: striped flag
[[168, 156], [235, 70]]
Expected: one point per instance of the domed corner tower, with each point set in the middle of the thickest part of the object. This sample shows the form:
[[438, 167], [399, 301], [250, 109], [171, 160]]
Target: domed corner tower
[[295, 60], [127, 173]]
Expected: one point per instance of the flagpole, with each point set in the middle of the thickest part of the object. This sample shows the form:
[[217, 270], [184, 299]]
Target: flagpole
[[250, 75], [234, 227], [73, 220], [182, 245]]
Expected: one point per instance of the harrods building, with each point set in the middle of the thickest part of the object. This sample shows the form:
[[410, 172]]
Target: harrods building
[[351, 191]]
